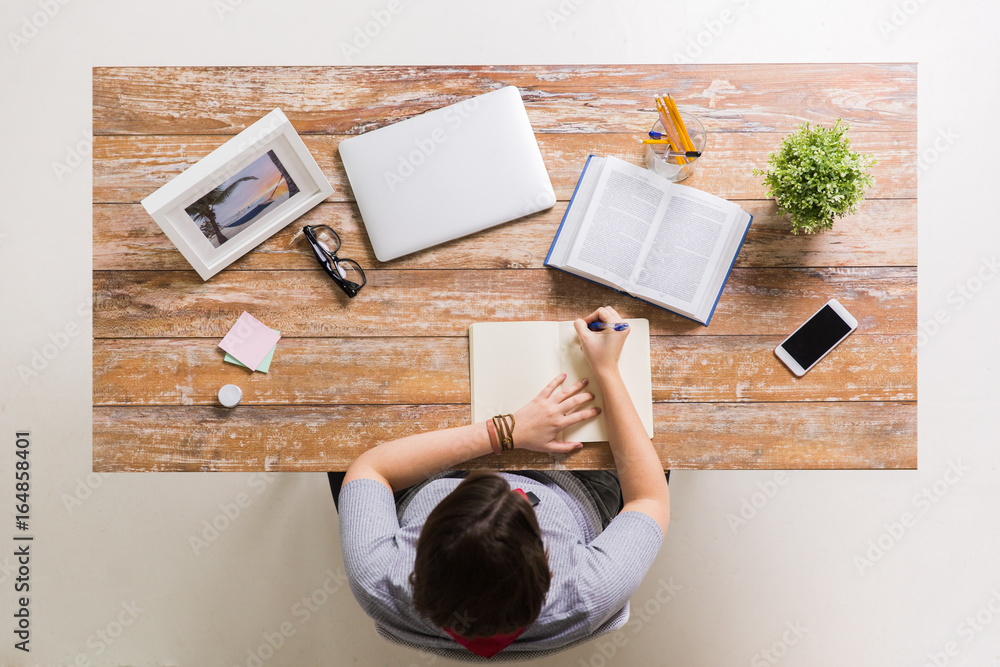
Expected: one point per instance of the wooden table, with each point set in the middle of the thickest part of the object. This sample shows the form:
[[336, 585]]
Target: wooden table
[[349, 374]]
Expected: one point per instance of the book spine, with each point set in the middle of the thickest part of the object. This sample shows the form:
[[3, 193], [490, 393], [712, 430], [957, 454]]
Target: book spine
[[566, 213], [731, 265]]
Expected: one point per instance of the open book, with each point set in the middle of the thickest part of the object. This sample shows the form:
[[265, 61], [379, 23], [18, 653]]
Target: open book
[[510, 362], [636, 232]]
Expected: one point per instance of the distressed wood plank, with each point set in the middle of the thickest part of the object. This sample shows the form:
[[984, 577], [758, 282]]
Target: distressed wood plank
[[711, 436], [559, 98], [710, 389], [127, 169], [177, 304], [688, 436], [882, 233], [435, 370], [745, 369]]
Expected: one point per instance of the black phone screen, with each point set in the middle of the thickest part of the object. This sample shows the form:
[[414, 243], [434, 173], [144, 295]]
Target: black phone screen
[[815, 337]]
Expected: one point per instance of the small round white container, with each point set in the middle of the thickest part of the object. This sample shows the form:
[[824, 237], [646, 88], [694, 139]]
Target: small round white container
[[230, 395]]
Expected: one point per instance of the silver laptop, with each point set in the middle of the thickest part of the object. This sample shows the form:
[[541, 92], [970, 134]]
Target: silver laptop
[[447, 173]]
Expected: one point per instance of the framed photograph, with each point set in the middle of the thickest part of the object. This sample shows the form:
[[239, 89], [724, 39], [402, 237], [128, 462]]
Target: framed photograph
[[239, 195]]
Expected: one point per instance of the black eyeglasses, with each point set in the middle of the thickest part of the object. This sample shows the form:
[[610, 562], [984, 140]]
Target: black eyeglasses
[[345, 272]]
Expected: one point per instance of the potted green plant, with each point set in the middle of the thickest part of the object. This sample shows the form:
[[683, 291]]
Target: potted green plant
[[815, 177]]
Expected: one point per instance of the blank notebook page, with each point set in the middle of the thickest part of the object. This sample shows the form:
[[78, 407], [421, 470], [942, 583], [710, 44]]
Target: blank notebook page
[[510, 363]]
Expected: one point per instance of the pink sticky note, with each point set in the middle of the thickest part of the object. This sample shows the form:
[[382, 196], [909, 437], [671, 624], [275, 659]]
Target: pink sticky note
[[249, 340]]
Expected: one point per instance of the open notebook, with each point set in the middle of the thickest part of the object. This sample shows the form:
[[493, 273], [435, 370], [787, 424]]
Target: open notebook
[[510, 362]]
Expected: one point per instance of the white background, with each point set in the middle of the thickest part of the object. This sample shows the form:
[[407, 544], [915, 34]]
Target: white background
[[794, 564]]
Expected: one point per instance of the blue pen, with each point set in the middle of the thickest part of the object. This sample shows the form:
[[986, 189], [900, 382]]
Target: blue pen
[[601, 326]]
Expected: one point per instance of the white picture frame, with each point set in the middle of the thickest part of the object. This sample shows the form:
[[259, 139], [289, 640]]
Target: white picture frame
[[223, 206]]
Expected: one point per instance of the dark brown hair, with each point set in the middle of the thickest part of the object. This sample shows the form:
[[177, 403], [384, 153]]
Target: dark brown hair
[[481, 568]]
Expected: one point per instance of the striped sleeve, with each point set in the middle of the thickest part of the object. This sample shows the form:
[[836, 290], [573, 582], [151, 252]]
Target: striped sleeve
[[368, 527], [615, 563]]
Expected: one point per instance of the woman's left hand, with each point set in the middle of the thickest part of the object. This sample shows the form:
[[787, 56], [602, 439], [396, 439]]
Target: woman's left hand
[[537, 424]]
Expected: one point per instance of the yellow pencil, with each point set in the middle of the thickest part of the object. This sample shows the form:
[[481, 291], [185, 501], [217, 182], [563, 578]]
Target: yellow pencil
[[675, 115], [668, 127], [664, 117]]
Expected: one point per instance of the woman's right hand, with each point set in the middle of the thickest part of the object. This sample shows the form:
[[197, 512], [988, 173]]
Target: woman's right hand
[[602, 348]]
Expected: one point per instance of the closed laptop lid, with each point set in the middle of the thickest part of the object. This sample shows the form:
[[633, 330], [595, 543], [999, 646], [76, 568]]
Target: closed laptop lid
[[447, 173]]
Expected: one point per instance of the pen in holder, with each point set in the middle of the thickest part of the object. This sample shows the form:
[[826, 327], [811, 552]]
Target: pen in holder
[[658, 157]]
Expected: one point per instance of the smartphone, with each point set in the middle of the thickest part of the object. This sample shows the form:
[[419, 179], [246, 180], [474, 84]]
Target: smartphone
[[813, 340]]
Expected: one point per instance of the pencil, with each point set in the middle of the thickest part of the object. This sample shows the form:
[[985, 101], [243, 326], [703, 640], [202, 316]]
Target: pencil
[[664, 119], [668, 126], [675, 115]]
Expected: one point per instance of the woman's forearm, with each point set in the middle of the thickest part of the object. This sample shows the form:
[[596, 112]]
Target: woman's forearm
[[639, 468], [410, 460]]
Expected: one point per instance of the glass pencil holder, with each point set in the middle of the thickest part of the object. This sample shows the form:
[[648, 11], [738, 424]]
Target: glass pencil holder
[[658, 158]]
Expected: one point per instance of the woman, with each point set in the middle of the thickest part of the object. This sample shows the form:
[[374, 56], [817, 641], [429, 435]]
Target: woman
[[512, 564]]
